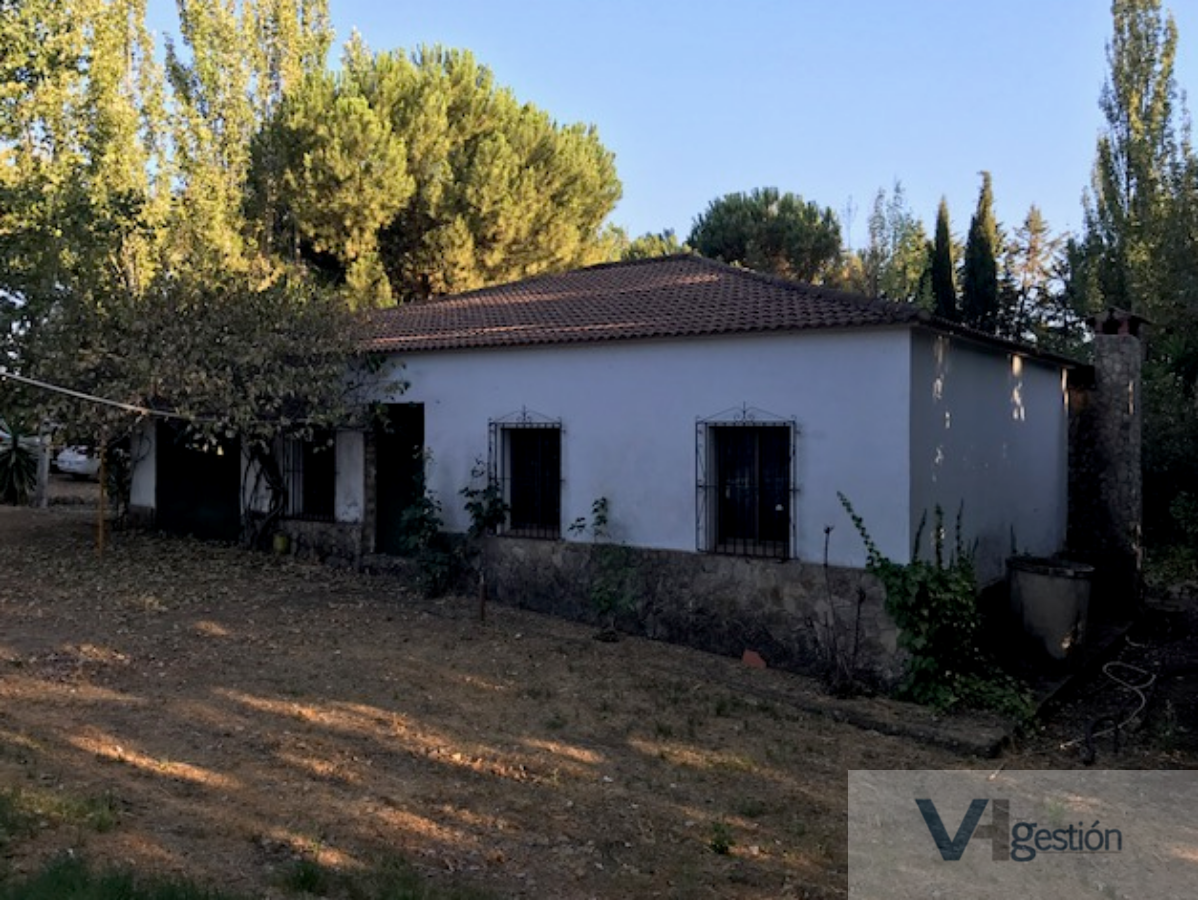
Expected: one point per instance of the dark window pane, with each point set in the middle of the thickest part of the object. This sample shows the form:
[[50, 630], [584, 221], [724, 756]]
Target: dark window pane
[[319, 476], [752, 488], [534, 491]]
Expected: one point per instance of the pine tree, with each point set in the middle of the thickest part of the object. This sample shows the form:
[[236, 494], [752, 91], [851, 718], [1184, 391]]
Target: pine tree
[[979, 274], [770, 231], [410, 175], [944, 291]]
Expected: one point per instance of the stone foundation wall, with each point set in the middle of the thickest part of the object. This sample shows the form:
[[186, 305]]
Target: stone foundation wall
[[334, 543], [140, 516], [788, 612]]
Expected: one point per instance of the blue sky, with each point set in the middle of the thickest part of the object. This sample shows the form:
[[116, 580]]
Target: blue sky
[[830, 100]]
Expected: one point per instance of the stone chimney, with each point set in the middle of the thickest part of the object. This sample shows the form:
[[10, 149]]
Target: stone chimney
[[1105, 481]]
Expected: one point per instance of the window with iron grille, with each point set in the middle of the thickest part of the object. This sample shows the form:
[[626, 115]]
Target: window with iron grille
[[746, 485], [310, 475], [526, 460]]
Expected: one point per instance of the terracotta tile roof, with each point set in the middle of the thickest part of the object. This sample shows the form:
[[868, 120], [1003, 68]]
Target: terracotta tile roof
[[667, 297]]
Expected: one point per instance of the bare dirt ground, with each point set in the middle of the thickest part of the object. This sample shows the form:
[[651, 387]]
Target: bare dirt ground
[[193, 709]]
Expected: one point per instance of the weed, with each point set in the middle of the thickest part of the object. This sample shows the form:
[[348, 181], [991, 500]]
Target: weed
[[721, 838], [485, 505], [422, 539], [734, 763], [841, 671], [611, 569], [556, 722], [752, 808], [664, 730], [309, 876], [1166, 730], [68, 876], [394, 879], [22, 809], [728, 705], [934, 605], [15, 818], [768, 710]]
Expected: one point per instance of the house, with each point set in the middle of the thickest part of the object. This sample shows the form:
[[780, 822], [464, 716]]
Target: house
[[719, 412]]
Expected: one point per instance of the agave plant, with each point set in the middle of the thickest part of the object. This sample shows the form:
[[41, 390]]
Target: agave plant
[[18, 465]]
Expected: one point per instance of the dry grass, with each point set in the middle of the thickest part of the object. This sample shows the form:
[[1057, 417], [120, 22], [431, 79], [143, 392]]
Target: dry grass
[[186, 709]]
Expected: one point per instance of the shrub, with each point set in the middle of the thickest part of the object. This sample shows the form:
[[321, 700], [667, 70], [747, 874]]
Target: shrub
[[934, 604], [18, 466]]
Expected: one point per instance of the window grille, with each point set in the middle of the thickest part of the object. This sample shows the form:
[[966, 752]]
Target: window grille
[[746, 485], [309, 471], [525, 458]]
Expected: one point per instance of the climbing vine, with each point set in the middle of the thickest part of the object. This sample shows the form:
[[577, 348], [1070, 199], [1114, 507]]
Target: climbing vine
[[934, 604]]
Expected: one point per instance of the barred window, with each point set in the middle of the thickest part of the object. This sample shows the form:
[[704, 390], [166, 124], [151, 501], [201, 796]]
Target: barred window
[[310, 475], [746, 486], [526, 460]]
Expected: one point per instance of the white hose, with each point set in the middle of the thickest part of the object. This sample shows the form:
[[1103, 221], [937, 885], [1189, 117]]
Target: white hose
[[1137, 688]]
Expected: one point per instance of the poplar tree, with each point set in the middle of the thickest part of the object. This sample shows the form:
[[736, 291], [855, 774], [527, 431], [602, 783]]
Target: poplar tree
[[241, 57], [1127, 208], [1140, 252], [896, 259], [83, 190]]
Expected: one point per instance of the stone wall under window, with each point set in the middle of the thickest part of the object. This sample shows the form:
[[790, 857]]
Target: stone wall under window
[[786, 611]]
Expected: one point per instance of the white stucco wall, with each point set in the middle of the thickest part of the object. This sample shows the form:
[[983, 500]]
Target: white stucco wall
[[144, 482], [628, 413], [989, 430], [349, 501]]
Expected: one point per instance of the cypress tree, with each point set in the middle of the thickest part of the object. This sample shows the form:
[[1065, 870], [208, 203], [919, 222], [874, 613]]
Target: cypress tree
[[943, 291], [979, 276]]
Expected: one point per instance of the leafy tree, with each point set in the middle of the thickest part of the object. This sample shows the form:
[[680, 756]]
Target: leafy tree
[[1140, 249], [141, 262], [123, 268], [979, 272], [222, 354], [225, 355], [80, 204], [242, 56], [491, 190], [896, 259], [1127, 207], [651, 244], [344, 177], [771, 232], [1031, 293], [944, 292]]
